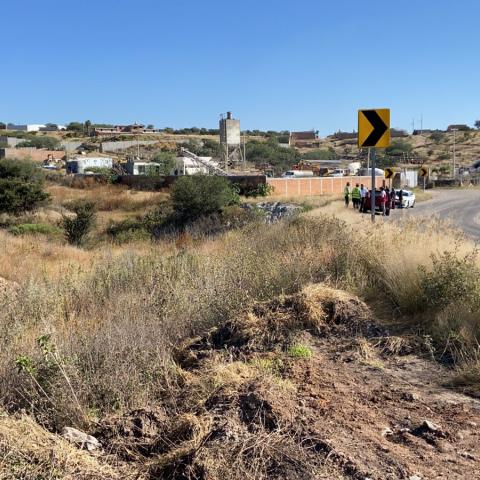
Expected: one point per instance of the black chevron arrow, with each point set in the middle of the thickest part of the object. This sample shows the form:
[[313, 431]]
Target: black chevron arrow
[[379, 128]]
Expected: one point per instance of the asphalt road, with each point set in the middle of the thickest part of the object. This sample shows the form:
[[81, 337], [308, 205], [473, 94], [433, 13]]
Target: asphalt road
[[460, 206]]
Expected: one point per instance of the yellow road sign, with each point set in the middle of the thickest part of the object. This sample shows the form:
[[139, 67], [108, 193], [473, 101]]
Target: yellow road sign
[[389, 172], [423, 172], [374, 128]]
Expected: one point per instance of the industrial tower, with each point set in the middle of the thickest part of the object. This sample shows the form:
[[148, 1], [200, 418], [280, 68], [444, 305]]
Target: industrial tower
[[232, 150]]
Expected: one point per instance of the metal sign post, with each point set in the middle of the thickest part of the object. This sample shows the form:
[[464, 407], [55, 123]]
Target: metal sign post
[[373, 158]]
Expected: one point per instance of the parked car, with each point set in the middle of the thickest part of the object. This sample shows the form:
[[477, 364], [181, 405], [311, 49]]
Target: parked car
[[338, 172], [408, 199], [378, 205]]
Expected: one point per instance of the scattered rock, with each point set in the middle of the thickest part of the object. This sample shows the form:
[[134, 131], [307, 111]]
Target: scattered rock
[[414, 477], [80, 439], [387, 432], [472, 424], [430, 426], [468, 455], [274, 211], [408, 396]]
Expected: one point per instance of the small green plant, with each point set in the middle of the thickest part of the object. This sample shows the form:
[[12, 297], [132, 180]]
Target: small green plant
[[110, 175], [128, 230], [34, 229], [299, 350], [262, 190], [273, 366], [77, 228]]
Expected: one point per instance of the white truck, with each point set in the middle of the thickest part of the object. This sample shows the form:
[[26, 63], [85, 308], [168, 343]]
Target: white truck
[[297, 174]]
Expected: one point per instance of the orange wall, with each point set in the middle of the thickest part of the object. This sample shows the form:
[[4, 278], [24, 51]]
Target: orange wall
[[32, 154], [304, 187]]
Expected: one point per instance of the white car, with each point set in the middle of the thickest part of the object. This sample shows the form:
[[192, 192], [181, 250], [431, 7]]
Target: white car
[[408, 199]]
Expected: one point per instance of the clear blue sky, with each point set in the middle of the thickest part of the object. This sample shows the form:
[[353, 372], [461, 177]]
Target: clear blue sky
[[277, 65]]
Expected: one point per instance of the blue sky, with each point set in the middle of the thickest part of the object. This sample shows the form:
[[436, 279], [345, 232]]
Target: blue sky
[[276, 64]]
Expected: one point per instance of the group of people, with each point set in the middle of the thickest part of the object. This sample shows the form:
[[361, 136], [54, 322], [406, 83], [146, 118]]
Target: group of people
[[359, 194]]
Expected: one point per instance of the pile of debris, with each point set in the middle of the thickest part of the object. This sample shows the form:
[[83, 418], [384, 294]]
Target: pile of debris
[[274, 211]]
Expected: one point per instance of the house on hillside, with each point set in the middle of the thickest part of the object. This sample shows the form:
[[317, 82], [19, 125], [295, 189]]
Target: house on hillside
[[25, 128], [308, 139], [459, 127], [134, 129]]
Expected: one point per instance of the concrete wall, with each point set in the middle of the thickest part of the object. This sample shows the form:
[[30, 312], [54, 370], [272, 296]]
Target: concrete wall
[[37, 155], [123, 145], [11, 141], [70, 146], [304, 187]]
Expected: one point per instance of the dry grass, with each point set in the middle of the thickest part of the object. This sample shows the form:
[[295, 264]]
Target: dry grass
[[108, 198], [27, 451]]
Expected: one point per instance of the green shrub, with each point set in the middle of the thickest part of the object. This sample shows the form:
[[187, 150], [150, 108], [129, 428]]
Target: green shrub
[[201, 195], [299, 350], [451, 279], [21, 186], [166, 161], [129, 230], [77, 228], [34, 229], [50, 143]]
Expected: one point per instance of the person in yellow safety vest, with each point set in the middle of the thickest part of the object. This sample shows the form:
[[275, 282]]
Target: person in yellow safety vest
[[346, 192], [356, 196]]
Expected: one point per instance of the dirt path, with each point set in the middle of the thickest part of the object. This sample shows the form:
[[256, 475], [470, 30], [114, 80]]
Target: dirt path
[[372, 413]]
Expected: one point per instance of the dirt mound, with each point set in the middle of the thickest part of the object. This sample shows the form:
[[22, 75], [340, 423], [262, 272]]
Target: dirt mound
[[318, 309], [345, 403]]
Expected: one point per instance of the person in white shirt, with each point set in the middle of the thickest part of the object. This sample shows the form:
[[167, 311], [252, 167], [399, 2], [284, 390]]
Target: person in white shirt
[[363, 196]]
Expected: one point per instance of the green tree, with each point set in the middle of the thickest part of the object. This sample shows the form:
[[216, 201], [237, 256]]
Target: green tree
[[75, 127], [321, 154], [269, 152], [21, 186], [77, 227], [201, 195], [436, 137], [87, 125], [398, 148], [166, 161], [477, 124]]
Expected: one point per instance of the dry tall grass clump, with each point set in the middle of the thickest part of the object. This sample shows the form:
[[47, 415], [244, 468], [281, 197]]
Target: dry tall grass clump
[[106, 333], [28, 451]]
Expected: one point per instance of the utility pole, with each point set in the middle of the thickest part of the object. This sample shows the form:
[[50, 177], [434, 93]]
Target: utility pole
[[373, 155], [454, 159]]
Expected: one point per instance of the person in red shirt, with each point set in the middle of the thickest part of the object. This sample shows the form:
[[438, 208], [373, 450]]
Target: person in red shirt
[[383, 200]]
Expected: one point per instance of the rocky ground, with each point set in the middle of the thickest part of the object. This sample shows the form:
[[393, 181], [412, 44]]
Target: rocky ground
[[303, 387]]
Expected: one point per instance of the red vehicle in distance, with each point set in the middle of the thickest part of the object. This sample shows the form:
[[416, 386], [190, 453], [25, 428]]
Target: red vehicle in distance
[[378, 203]]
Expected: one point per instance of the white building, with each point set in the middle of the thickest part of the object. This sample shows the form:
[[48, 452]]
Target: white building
[[142, 168], [188, 166], [83, 164], [26, 128]]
